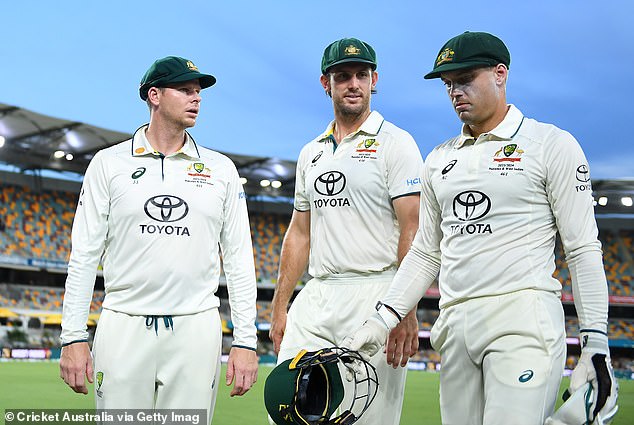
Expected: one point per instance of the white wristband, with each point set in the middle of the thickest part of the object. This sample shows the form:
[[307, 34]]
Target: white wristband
[[387, 317], [594, 342]]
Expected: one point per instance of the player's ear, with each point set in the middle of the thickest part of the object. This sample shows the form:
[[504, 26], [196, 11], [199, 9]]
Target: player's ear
[[153, 95], [501, 73], [325, 83]]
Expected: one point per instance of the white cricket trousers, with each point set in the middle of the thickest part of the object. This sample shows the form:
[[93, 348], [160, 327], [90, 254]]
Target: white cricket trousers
[[502, 358], [324, 312], [149, 363]]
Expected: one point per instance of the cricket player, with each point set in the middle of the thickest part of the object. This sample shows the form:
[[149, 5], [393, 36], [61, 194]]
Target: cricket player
[[495, 197], [357, 197], [157, 207]]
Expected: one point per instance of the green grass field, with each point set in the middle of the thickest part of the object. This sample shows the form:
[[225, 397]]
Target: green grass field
[[38, 386]]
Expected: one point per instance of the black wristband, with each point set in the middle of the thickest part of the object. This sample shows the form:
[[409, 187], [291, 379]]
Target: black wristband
[[391, 309], [243, 346], [593, 331], [74, 342]]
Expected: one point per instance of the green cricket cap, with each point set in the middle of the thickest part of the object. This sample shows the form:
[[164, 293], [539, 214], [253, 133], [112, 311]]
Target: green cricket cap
[[470, 50], [347, 50], [173, 69]]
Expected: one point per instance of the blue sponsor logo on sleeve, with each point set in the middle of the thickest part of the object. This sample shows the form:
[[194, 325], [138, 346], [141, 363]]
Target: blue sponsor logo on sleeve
[[414, 182]]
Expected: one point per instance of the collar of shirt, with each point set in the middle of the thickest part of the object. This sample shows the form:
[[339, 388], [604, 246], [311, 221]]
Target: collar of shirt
[[371, 126], [505, 130], [141, 145]]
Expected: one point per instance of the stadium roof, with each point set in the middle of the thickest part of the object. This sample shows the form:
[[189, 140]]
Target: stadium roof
[[32, 141], [36, 142]]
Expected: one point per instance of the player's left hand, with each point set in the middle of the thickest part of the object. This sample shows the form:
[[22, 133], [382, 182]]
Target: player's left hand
[[402, 342], [75, 366], [242, 370]]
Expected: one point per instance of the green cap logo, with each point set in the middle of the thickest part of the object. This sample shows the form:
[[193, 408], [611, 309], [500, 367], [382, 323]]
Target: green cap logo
[[352, 50], [445, 56]]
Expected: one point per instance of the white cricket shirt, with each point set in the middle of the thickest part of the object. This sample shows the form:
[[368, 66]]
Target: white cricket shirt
[[349, 188], [491, 210], [159, 223]]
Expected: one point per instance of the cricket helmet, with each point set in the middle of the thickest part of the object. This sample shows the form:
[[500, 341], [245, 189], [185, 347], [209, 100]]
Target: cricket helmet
[[308, 389], [577, 409]]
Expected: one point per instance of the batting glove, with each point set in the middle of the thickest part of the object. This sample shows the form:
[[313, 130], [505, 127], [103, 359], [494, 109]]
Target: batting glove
[[594, 366], [370, 337]]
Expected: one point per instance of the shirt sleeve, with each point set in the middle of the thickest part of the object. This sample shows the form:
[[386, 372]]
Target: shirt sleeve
[[301, 203], [404, 166], [570, 195], [237, 253], [90, 226]]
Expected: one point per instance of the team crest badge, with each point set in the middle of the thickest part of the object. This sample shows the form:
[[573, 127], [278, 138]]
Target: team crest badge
[[197, 172], [99, 383], [509, 149], [367, 145], [445, 56], [191, 66], [508, 153], [351, 50]]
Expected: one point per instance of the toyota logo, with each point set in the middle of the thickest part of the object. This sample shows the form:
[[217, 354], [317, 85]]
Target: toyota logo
[[166, 208], [471, 205], [583, 174], [330, 183]]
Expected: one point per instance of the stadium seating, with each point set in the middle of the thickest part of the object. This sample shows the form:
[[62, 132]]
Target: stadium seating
[[617, 259], [40, 298], [267, 232], [36, 225]]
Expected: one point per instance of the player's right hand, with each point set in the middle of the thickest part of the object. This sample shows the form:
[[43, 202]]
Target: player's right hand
[[278, 325], [594, 366], [75, 366], [369, 338]]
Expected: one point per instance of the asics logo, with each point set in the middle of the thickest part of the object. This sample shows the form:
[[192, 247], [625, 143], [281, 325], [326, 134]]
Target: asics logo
[[448, 167], [526, 376]]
